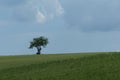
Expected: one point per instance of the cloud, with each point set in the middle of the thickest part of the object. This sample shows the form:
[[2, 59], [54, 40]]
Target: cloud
[[39, 10], [47, 9], [36, 11], [41, 18], [93, 15]]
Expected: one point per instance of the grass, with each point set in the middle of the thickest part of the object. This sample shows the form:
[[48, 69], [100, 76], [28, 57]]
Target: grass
[[86, 66], [14, 61]]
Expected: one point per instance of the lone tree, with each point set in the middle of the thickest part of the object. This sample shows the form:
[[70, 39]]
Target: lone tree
[[39, 43]]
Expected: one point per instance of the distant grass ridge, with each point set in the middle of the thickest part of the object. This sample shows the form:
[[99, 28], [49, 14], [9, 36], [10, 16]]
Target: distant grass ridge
[[103, 66]]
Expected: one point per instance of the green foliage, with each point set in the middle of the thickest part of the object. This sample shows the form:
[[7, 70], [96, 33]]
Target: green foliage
[[103, 66], [37, 42]]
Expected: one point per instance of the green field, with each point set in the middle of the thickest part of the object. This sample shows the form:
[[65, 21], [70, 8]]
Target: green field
[[77, 66]]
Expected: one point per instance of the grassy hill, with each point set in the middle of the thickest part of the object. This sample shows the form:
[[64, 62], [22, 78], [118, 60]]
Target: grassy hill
[[87, 66]]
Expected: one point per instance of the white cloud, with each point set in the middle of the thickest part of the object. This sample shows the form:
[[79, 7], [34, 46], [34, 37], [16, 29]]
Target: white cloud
[[46, 10], [30, 11], [59, 9], [41, 18]]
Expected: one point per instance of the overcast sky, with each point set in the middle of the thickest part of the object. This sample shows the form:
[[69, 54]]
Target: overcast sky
[[70, 25]]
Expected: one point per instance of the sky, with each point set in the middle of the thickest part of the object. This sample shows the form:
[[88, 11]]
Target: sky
[[70, 25]]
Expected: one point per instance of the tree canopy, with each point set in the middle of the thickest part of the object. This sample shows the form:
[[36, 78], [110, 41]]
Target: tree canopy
[[39, 43]]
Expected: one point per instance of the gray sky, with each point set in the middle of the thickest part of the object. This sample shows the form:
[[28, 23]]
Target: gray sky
[[71, 26]]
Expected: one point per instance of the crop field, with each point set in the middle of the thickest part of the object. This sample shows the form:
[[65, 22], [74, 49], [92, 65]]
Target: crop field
[[75, 66]]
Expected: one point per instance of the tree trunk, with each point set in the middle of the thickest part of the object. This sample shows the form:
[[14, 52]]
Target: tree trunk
[[39, 51]]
